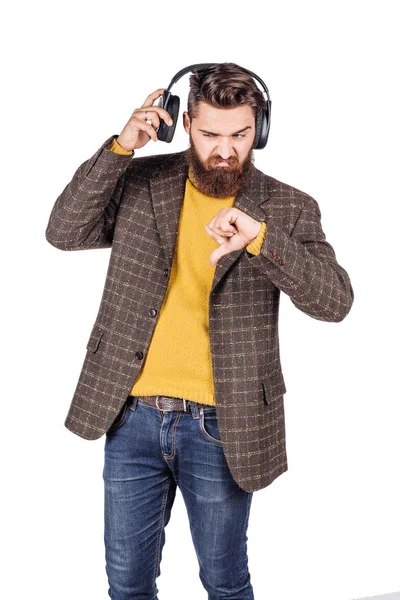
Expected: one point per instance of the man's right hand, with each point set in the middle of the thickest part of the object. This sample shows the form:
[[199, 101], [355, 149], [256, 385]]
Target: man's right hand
[[137, 132]]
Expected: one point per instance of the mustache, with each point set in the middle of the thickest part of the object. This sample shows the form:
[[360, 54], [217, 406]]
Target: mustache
[[214, 160]]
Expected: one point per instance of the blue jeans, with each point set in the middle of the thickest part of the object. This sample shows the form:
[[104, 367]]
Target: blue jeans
[[148, 452]]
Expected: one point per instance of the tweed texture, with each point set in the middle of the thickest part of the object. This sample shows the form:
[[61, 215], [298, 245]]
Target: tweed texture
[[132, 205]]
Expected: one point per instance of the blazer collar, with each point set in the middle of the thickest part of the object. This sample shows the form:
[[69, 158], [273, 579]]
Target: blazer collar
[[167, 188]]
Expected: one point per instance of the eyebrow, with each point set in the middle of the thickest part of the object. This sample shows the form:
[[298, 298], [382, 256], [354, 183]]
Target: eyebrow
[[213, 133]]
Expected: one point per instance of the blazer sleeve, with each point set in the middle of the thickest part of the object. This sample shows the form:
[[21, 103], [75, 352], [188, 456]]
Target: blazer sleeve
[[83, 216], [304, 266]]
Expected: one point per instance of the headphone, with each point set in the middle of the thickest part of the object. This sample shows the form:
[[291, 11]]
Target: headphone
[[171, 103]]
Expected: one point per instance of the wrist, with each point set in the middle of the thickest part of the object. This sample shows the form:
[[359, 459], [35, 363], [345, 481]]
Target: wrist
[[118, 141], [257, 231], [254, 247]]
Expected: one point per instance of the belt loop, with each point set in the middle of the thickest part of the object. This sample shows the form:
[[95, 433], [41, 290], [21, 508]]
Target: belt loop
[[184, 404], [194, 409]]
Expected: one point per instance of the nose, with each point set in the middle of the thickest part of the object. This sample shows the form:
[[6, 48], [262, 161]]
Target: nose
[[225, 148]]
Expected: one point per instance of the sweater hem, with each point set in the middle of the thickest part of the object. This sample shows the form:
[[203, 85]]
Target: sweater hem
[[175, 392]]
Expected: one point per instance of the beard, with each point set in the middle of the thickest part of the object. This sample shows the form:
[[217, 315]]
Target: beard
[[215, 181]]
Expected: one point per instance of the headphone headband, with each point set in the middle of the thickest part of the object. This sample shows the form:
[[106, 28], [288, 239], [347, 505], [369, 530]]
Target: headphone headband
[[199, 66]]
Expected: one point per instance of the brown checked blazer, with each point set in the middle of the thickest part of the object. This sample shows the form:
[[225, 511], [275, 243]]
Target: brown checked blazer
[[132, 205]]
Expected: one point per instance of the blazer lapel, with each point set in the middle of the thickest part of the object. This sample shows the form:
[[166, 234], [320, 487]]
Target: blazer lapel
[[167, 189], [167, 192]]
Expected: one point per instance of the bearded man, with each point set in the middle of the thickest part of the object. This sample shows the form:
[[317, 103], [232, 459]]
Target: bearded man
[[182, 371]]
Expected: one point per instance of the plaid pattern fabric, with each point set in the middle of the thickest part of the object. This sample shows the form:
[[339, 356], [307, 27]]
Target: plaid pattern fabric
[[132, 206]]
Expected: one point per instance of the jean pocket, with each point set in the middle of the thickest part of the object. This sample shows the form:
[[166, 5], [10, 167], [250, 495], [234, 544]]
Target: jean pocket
[[209, 425]]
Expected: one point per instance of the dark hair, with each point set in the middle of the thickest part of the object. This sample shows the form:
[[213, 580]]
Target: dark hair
[[224, 85]]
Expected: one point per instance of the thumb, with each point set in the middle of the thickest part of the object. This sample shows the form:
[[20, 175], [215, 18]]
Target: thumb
[[216, 255]]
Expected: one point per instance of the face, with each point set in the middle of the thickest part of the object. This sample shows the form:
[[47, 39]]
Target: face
[[220, 152]]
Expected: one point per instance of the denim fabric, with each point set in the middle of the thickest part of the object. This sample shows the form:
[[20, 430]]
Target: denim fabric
[[148, 453]]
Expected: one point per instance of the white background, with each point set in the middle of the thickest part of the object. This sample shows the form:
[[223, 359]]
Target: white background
[[72, 75]]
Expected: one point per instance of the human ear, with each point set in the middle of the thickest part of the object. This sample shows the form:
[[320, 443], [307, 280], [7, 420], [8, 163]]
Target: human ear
[[186, 121]]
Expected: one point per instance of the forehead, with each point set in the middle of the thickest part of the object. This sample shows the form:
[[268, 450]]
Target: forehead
[[221, 119]]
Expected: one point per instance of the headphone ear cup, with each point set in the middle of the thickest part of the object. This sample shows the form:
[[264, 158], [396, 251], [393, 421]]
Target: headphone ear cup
[[258, 131], [262, 128], [164, 132], [263, 132]]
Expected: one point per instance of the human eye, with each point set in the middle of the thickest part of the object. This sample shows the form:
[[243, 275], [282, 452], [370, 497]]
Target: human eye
[[209, 134], [239, 135]]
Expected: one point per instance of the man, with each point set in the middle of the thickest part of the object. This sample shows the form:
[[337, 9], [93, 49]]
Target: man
[[182, 371]]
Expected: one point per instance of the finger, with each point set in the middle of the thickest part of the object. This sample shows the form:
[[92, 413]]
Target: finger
[[226, 229], [226, 226], [149, 129], [224, 234], [221, 232], [152, 97], [160, 112], [216, 255], [155, 116], [214, 236], [149, 115]]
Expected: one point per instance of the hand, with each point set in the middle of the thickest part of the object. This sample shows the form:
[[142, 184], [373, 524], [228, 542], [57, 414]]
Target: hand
[[233, 229], [137, 132]]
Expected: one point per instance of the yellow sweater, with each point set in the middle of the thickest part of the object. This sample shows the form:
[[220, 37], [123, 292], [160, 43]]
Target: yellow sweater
[[178, 362]]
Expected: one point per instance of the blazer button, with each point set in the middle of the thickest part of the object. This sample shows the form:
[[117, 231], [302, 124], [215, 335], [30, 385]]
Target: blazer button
[[152, 312], [139, 355], [166, 271]]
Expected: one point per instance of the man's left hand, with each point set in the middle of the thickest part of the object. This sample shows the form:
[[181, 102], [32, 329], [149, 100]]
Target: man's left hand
[[232, 229]]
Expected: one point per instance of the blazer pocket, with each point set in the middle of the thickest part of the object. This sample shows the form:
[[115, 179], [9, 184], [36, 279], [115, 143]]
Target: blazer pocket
[[273, 387], [94, 339]]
